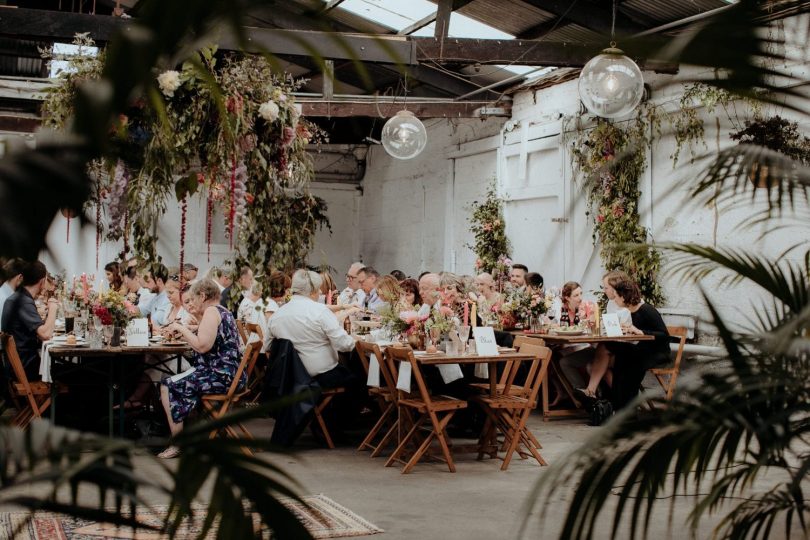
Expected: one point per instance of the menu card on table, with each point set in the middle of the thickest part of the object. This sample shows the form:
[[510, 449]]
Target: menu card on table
[[138, 333], [613, 327], [485, 341]]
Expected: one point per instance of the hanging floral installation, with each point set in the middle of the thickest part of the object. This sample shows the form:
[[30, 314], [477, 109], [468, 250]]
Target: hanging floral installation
[[491, 246], [610, 158], [224, 127]]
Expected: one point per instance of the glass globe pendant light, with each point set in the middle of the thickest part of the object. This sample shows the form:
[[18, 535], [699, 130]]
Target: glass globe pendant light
[[611, 84], [404, 136]]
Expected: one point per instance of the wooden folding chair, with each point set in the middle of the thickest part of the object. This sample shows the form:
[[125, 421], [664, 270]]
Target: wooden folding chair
[[33, 398], [514, 389], [667, 377], [385, 394], [438, 409], [217, 405], [326, 398], [254, 379], [508, 413]]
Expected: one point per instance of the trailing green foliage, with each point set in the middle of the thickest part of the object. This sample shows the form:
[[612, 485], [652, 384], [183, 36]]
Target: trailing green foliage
[[610, 158], [489, 229]]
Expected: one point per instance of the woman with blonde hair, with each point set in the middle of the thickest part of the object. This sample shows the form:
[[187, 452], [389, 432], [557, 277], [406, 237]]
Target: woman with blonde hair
[[389, 290]]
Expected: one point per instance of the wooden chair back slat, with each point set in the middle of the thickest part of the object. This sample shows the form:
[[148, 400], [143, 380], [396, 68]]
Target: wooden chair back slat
[[538, 369], [249, 356], [240, 326]]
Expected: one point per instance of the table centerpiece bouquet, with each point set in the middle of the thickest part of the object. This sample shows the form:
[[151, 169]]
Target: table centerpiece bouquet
[[113, 309], [521, 306]]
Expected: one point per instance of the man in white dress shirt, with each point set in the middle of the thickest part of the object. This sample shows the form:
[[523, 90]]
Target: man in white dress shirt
[[313, 330], [367, 277], [352, 294]]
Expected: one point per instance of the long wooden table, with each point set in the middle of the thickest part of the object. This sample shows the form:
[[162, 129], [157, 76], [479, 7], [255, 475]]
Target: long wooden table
[[561, 340], [105, 357]]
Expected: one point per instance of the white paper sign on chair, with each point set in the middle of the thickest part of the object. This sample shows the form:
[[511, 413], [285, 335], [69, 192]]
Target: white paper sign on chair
[[485, 344], [404, 377], [138, 333], [373, 371], [613, 327]]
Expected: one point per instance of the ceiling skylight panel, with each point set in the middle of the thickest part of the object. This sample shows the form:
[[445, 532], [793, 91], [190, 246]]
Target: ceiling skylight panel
[[392, 13]]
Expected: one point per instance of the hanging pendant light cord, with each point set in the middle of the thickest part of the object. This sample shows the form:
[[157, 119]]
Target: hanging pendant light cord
[[613, 25]]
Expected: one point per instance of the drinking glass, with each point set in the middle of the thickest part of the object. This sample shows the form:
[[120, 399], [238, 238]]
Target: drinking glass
[[471, 347], [80, 328], [464, 333], [97, 324], [108, 333]]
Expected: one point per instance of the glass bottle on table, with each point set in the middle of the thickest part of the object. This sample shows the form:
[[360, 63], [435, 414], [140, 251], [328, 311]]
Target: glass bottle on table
[[564, 319]]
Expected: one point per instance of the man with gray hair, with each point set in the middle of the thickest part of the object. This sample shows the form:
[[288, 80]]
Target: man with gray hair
[[429, 291], [352, 294], [313, 330]]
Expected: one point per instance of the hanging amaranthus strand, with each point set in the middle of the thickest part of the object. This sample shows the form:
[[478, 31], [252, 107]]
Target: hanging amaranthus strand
[[126, 232], [232, 212], [209, 211], [183, 209]]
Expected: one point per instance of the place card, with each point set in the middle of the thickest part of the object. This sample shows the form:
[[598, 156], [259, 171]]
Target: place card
[[373, 371], [613, 327], [450, 372], [485, 341], [137, 333], [404, 377]]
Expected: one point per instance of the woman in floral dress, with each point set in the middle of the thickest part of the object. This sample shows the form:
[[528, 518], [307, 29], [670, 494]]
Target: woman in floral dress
[[215, 362]]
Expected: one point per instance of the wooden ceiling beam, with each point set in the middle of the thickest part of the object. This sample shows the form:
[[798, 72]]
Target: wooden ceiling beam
[[408, 50]]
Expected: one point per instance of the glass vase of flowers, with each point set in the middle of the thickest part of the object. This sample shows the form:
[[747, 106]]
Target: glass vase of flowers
[[114, 310]]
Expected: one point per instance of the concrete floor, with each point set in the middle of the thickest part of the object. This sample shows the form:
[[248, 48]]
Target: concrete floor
[[479, 501]]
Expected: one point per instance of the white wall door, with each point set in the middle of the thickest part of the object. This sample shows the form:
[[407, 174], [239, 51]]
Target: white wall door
[[545, 212], [474, 169]]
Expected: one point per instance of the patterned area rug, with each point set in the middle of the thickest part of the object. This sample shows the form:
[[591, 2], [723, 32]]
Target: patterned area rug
[[324, 519]]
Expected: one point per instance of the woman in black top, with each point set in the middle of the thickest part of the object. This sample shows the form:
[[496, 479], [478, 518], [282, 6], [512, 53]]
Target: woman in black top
[[631, 361]]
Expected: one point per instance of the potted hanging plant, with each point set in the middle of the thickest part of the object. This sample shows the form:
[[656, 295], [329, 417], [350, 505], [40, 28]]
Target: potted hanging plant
[[777, 134]]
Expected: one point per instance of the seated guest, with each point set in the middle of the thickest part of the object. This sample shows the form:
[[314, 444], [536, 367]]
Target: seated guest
[[602, 357], [279, 283], [13, 270], [21, 320], [151, 375], [313, 330], [353, 293], [398, 275], [216, 358], [631, 361], [131, 284], [189, 272], [389, 290], [409, 296], [534, 282], [329, 294], [252, 309], [158, 305], [429, 285], [452, 292], [113, 275], [487, 296], [367, 278], [517, 277]]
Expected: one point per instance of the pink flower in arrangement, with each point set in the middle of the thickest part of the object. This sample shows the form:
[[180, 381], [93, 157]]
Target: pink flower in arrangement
[[287, 136], [131, 308], [446, 311], [600, 218], [200, 178], [249, 198], [487, 227], [478, 263], [409, 317], [618, 211]]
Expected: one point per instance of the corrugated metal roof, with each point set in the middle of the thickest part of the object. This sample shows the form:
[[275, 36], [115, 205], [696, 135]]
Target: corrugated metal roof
[[668, 11], [510, 16]]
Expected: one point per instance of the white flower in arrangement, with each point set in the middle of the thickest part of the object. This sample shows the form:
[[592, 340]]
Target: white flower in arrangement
[[169, 81], [277, 95], [294, 116], [269, 111]]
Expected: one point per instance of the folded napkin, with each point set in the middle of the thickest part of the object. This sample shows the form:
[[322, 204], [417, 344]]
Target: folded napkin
[[450, 372], [45, 361], [482, 371], [373, 371]]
